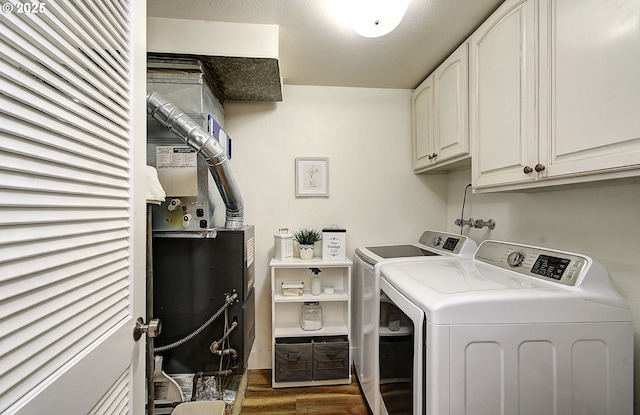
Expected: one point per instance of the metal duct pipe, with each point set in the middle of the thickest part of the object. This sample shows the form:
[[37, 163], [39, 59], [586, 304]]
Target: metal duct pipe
[[207, 147]]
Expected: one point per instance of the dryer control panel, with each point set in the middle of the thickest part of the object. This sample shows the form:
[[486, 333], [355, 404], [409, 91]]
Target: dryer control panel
[[446, 242], [555, 266]]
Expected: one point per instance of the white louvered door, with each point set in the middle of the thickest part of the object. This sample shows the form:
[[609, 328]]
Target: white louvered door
[[72, 208]]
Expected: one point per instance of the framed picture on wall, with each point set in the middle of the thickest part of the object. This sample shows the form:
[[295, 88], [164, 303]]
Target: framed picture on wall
[[312, 177]]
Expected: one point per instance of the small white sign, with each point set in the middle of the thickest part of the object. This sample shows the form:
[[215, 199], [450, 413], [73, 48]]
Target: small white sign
[[334, 243]]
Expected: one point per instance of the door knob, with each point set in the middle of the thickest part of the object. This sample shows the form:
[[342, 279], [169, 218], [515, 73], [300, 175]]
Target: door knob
[[152, 329], [527, 169], [539, 167]]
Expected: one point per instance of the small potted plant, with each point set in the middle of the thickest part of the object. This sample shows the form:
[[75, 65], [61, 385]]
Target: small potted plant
[[306, 239]]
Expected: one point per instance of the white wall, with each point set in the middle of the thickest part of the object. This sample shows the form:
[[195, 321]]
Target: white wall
[[374, 195], [232, 39], [600, 220]]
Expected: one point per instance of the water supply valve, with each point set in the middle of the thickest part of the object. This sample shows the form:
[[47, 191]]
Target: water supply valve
[[476, 223], [461, 222], [479, 223]]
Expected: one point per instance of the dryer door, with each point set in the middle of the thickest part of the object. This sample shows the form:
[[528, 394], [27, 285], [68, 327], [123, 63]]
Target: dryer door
[[365, 330], [401, 352]]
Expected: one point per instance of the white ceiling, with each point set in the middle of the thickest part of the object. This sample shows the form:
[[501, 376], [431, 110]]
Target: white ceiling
[[318, 48]]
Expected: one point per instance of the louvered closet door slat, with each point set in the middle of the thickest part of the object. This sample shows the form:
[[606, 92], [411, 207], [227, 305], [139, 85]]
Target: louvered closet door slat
[[55, 163], [16, 36], [111, 49], [30, 232], [59, 179], [46, 247], [25, 55], [109, 28], [66, 45], [61, 334], [42, 216], [50, 132], [32, 287], [117, 14], [72, 309], [56, 345], [65, 193], [66, 166], [114, 400], [25, 88], [16, 271], [39, 292], [31, 199], [67, 24], [100, 29]]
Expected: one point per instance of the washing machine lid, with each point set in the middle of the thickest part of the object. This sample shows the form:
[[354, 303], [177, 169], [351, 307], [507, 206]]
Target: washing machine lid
[[432, 244], [400, 251], [487, 290]]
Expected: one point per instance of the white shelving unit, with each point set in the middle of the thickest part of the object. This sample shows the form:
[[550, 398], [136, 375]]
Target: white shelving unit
[[285, 316]]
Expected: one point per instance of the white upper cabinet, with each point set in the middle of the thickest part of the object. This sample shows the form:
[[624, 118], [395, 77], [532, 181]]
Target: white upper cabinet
[[423, 120], [452, 106], [556, 103], [590, 93], [502, 95], [440, 114]]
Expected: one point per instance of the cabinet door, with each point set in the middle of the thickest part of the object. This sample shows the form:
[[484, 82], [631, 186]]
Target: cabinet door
[[423, 139], [451, 106], [502, 95], [592, 50]]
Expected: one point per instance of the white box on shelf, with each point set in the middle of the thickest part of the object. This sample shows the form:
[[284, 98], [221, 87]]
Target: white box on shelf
[[283, 241]]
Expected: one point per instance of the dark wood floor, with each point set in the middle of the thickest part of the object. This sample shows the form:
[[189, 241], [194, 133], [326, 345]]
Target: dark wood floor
[[261, 399]]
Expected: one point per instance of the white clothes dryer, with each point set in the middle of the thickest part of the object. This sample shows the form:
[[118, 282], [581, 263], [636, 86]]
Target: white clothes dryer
[[515, 330], [431, 246]]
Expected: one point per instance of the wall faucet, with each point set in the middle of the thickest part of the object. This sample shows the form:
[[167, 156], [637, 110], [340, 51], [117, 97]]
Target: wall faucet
[[461, 222], [477, 223]]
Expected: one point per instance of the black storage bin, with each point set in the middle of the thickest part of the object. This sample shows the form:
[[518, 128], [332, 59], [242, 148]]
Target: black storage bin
[[330, 358], [294, 359]]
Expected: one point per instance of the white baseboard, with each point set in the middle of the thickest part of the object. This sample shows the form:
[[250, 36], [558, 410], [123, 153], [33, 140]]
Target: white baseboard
[[260, 359]]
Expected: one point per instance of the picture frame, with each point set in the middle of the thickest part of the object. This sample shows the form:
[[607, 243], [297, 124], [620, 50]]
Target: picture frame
[[312, 177]]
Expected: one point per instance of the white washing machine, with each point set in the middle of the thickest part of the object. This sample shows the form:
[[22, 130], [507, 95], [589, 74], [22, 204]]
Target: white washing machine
[[431, 246], [515, 330]]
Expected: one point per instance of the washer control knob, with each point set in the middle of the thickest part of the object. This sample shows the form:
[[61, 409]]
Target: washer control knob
[[436, 241], [515, 258]]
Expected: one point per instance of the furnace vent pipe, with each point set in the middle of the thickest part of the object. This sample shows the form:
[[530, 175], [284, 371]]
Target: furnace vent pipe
[[207, 147]]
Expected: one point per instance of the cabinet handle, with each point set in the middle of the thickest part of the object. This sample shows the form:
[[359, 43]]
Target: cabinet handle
[[431, 157], [539, 168], [527, 169]]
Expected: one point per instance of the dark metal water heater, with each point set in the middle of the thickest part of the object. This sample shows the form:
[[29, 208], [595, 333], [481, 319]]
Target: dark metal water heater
[[193, 276]]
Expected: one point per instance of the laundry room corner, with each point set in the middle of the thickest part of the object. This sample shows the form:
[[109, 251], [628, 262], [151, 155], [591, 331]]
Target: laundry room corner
[[366, 135]]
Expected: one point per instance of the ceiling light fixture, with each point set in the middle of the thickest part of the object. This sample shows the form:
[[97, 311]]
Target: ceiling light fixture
[[374, 18]]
